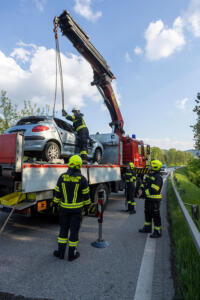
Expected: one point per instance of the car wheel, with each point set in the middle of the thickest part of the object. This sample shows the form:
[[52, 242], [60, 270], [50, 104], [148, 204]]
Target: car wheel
[[97, 155], [52, 151]]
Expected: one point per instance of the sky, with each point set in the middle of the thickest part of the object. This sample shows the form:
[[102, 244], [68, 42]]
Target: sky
[[152, 47]]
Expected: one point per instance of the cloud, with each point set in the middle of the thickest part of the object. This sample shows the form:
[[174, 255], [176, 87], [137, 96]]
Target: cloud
[[192, 17], [40, 4], [163, 41], [83, 8], [21, 54], [128, 58], [168, 143], [37, 82], [138, 51], [181, 104]]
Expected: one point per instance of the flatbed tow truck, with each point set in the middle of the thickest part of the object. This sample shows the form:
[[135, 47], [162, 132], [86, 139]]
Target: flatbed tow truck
[[28, 187]]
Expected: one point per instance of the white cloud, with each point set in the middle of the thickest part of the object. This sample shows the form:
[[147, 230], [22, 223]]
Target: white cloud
[[192, 17], [40, 4], [83, 8], [163, 41], [181, 104], [167, 143], [138, 51], [37, 82], [21, 54], [128, 58]]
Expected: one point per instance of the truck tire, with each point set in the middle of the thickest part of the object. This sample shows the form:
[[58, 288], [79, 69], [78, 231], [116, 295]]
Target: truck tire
[[97, 156], [51, 151], [94, 194]]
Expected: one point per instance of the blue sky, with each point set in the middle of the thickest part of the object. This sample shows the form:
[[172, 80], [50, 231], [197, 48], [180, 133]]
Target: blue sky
[[152, 47]]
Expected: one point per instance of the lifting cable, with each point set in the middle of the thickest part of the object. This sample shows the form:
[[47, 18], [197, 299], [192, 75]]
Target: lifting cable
[[58, 63]]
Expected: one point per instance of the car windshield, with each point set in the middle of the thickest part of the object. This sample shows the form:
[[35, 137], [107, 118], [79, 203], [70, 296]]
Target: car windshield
[[31, 120]]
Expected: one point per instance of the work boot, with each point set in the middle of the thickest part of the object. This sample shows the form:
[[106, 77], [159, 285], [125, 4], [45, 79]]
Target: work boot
[[129, 208], [145, 229], [156, 234], [60, 253], [133, 211], [72, 253]]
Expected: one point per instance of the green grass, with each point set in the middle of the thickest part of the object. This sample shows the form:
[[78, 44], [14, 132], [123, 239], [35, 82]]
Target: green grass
[[186, 260], [191, 193]]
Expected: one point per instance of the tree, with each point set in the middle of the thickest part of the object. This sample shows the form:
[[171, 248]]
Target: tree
[[9, 113], [196, 127]]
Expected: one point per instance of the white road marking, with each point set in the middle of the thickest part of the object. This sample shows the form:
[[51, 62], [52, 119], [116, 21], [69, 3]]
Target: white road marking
[[145, 278]]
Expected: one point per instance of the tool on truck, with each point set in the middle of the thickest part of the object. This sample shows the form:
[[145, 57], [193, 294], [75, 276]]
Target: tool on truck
[[130, 149]]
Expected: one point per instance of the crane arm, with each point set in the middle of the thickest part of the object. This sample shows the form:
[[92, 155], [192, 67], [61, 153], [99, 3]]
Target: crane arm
[[102, 73]]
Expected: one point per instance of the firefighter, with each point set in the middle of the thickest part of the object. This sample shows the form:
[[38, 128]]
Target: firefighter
[[81, 130], [130, 188], [151, 190], [72, 195]]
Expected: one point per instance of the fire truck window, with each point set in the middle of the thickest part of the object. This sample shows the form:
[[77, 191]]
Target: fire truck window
[[140, 150]]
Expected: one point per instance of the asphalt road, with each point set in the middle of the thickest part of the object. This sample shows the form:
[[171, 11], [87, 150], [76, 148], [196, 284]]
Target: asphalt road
[[133, 266]]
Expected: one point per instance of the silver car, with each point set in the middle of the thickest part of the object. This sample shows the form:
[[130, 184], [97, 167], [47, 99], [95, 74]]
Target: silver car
[[52, 138]]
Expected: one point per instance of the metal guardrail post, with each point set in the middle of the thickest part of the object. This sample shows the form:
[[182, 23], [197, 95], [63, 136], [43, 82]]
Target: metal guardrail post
[[100, 243], [192, 227]]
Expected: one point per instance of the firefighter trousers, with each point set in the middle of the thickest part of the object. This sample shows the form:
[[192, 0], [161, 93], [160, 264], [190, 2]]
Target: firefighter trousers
[[83, 136], [69, 221], [152, 212], [130, 194]]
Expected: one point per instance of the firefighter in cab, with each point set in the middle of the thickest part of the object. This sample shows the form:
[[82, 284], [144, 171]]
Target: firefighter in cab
[[151, 189], [71, 194], [130, 177], [81, 130]]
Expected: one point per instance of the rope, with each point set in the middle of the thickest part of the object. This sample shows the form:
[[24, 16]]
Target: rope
[[59, 64]]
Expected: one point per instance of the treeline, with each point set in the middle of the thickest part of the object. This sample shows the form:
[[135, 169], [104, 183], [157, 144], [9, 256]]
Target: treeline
[[171, 157], [10, 113]]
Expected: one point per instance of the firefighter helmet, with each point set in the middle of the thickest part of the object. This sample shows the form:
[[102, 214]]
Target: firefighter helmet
[[156, 165], [131, 165], [75, 161], [76, 109]]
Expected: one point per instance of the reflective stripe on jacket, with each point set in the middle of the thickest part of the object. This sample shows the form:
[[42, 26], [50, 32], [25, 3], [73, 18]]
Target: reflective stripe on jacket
[[130, 176], [153, 185], [78, 121], [72, 190]]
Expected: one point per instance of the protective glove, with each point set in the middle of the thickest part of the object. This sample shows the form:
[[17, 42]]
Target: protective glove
[[55, 208], [64, 113]]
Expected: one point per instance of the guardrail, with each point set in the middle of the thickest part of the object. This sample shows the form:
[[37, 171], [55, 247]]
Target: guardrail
[[192, 227]]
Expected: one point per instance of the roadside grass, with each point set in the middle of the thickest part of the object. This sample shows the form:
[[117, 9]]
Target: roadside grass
[[185, 258], [189, 192]]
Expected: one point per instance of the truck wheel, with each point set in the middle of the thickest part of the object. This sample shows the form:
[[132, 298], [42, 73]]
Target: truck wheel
[[97, 155], [51, 151], [94, 194]]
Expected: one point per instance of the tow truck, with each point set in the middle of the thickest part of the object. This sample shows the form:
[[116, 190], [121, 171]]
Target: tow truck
[[28, 187]]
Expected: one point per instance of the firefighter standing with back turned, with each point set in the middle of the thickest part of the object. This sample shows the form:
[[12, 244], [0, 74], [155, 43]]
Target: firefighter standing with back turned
[[130, 188], [151, 188], [72, 194], [81, 130]]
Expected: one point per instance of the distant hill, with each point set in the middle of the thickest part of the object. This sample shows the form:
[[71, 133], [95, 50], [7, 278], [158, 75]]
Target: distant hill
[[196, 153]]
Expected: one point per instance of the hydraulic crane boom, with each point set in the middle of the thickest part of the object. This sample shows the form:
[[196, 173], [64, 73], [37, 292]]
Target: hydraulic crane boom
[[102, 73]]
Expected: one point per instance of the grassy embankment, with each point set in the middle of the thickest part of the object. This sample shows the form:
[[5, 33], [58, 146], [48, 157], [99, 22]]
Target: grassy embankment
[[186, 260]]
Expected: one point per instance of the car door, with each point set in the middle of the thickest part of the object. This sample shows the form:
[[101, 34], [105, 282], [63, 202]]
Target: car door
[[67, 137]]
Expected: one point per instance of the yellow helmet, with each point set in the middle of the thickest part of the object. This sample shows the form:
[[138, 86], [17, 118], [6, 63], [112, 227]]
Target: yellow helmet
[[75, 161], [156, 165], [131, 165]]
